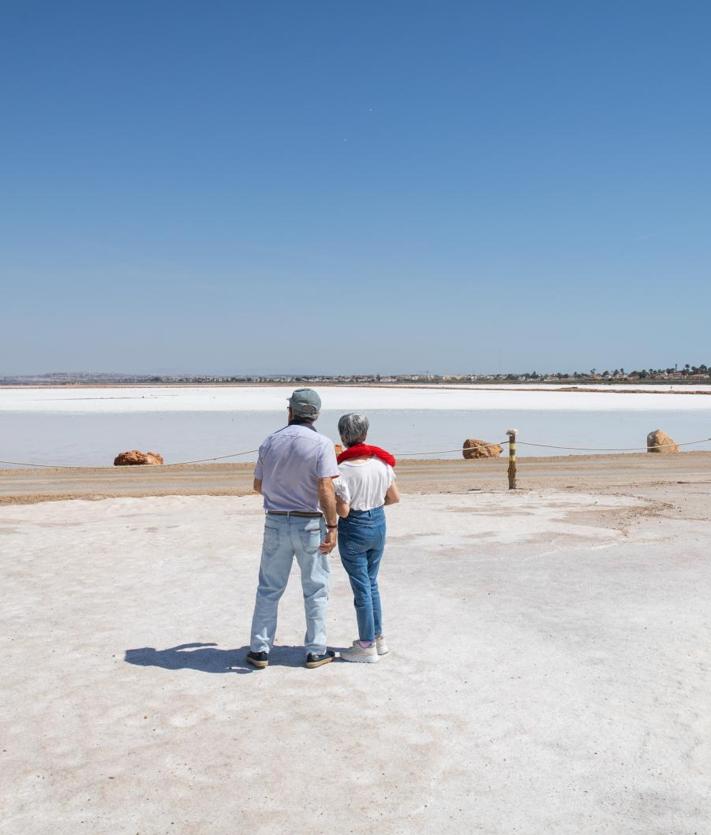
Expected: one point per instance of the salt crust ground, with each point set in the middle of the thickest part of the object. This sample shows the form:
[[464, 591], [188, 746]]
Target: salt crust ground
[[86, 400], [549, 673]]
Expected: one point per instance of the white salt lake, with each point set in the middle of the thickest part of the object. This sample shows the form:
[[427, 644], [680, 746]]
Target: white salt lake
[[88, 426]]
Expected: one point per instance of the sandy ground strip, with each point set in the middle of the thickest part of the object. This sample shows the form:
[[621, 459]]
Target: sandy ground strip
[[549, 673], [598, 472]]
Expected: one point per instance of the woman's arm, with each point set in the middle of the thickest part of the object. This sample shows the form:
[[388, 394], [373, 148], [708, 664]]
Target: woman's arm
[[393, 494], [343, 497]]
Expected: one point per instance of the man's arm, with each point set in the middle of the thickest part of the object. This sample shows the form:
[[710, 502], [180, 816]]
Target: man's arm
[[327, 500], [259, 471]]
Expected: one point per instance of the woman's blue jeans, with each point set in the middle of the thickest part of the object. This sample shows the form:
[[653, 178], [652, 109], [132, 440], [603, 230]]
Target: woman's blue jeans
[[361, 541]]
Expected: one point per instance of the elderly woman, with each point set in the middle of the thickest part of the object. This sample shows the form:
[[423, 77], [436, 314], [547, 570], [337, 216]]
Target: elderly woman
[[367, 483]]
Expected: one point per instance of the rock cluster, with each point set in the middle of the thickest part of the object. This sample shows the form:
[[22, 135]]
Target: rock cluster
[[659, 441], [135, 456], [474, 448]]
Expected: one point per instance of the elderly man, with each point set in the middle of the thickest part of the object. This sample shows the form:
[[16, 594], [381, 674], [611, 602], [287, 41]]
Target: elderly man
[[295, 473]]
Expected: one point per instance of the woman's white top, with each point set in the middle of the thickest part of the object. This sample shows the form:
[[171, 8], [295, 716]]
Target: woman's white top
[[363, 484]]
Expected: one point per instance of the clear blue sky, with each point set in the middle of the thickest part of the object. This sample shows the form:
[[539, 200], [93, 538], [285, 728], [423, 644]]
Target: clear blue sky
[[383, 186]]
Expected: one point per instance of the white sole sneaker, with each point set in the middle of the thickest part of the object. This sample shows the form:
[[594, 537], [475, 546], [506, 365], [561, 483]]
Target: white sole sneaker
[[381, 646], [361, 655]]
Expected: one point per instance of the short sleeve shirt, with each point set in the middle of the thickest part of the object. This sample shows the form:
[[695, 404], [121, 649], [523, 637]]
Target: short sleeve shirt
[[290, 463], [363, 484]]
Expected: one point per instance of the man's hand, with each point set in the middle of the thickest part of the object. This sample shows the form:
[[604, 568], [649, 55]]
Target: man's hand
[[327, 500], [329, 542]]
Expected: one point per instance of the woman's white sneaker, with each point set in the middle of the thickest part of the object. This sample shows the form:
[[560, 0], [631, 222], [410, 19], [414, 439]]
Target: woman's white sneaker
[[363, 655], [381, 646]]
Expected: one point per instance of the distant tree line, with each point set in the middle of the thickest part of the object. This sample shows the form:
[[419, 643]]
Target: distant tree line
[[688, 373], [698, 371]]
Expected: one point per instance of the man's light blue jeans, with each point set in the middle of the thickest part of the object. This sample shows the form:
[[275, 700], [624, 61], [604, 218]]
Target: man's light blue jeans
[[286, 537]]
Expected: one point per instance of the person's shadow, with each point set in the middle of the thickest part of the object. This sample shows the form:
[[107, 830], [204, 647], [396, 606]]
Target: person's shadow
[[208, 659]]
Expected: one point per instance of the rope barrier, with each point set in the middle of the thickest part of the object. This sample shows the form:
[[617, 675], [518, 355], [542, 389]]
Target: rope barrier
[[47, 466], [206, 460], [432, 452], [611, 449], [398, 455], [171, 464], [444, 451]]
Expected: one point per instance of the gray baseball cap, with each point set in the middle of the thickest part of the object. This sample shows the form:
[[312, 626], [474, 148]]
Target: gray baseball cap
[[305, 403]]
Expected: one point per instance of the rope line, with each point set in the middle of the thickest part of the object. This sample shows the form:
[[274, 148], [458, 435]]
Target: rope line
[[217, 458], [398, 455], [445, 451], [170, 464], [47, 466], [611, 449]]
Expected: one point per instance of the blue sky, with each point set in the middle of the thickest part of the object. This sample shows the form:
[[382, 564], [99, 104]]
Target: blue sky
[[239, 187]]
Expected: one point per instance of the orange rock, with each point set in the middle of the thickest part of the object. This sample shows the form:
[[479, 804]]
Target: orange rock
[[474, 448], [135, 456], [659, 441]]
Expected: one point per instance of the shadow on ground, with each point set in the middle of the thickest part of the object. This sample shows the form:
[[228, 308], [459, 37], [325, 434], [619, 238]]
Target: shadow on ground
[[207, 658]]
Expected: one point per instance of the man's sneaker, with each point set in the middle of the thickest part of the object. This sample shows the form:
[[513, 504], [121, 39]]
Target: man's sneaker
[[258, 659], [313, 660], [381, 646], [363, 655]]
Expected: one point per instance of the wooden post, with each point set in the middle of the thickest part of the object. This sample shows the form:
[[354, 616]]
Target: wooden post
[[512, 458]]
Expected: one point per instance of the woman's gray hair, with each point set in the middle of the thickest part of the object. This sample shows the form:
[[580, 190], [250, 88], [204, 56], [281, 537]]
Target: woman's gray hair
[[353, 428]]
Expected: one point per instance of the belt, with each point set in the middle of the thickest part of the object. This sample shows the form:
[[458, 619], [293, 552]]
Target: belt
[[300, 513]]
